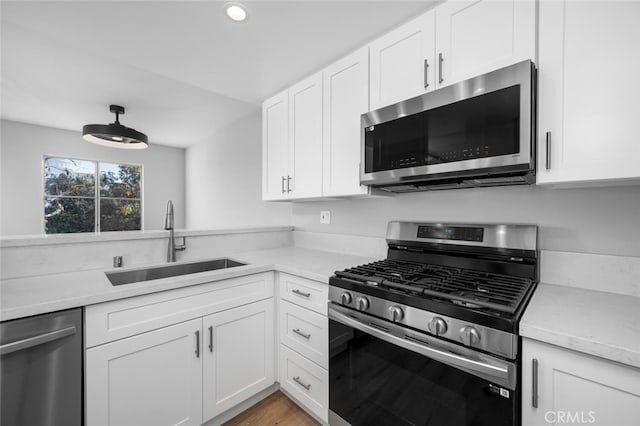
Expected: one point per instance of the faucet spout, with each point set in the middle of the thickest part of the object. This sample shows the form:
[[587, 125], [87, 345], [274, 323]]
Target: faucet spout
[[168, 226], [168, 217]]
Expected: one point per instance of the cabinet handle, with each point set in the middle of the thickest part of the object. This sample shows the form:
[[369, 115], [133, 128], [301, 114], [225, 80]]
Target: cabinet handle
[[197, 343], [426, 76], [307, 386], [289, 183], [548, 150], [440, 61], [300, 333], [283, 179], [211, 339], [534, 383], [301, 293]]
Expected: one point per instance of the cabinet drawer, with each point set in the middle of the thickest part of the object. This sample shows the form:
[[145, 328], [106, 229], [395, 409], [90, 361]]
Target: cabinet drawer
[[305, 381], [106, 322], [309, 294], [305, 332]]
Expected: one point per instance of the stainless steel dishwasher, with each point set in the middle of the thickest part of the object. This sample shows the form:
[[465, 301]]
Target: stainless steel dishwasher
[[41, 367]]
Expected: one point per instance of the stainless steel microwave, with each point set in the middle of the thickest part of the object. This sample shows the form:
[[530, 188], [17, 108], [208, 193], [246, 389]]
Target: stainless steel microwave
[[479, 132]]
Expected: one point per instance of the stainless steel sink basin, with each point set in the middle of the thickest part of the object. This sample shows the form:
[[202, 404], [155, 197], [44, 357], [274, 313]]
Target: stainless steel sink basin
[[129, 277]]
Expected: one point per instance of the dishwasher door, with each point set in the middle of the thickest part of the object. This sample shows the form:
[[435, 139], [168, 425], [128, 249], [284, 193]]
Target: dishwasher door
[[41, 367]]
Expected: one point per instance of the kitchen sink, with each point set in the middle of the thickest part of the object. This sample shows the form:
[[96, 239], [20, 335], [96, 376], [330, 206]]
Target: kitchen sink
[[129, 277]]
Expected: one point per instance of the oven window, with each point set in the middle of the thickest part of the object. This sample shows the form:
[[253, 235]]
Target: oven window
[[483, 126], [372, 382]]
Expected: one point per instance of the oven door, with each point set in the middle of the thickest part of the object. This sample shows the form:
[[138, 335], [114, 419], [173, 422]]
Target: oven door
[[384, 374]]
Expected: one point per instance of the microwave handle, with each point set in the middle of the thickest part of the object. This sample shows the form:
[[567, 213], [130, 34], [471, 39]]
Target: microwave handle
[[426, 73]]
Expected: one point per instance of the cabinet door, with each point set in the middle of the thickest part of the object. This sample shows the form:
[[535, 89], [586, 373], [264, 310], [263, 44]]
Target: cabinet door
[[402, 62], [346, 97], [305, 130], [275, 147], [154, 378], [577, 388], [588, 91], [238, 355], [473, 37]]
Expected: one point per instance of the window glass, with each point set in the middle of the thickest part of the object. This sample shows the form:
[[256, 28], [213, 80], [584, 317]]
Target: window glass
[[86, 196], [69, 177]]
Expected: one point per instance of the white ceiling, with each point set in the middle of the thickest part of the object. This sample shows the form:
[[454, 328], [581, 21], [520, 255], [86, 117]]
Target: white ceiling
[[181, 69]]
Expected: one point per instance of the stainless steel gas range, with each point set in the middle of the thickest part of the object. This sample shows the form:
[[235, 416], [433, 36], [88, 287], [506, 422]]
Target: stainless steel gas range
[[429, 335]]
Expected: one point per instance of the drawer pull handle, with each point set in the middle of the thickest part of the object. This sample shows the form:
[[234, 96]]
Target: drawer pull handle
[[211, 339], [301, 293], [307, 386], [300, 333]]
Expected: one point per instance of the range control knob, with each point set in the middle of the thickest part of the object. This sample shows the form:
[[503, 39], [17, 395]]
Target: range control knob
[[362, 303], [437, 326], [469, 335], [396, 313], [345, 298]]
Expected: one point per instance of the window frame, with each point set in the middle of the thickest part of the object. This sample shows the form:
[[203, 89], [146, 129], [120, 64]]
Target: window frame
[[96, 191]]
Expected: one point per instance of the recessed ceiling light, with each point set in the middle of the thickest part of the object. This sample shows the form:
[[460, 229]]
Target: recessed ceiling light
[[236, 12]]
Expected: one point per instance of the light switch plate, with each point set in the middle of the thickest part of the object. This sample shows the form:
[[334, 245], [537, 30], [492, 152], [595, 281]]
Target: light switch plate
[[325, 217]]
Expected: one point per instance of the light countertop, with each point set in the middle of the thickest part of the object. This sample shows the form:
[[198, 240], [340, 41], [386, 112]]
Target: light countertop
[[606, 325], [21, 297]]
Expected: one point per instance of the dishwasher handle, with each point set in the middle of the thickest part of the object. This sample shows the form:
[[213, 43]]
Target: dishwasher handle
[[36, 340]]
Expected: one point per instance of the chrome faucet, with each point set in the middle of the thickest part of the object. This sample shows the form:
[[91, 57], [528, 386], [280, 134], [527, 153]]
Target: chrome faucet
[[168, 225]]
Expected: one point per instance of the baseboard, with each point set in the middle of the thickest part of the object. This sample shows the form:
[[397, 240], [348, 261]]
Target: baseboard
[[243, 406]]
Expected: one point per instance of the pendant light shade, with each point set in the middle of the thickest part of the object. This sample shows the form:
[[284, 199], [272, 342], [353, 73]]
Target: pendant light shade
[[115, 135]]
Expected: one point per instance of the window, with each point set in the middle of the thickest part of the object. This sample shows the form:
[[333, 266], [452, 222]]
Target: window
[[90, 196]]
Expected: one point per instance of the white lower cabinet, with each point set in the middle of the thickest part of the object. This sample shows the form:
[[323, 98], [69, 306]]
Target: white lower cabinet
[[305, 331], [575, 388], [305, 381], [304, 342], [154, 378], [185, 373], [238, 358]]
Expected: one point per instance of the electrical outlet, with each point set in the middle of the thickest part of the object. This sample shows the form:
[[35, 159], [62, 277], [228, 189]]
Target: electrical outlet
[[325, 217]]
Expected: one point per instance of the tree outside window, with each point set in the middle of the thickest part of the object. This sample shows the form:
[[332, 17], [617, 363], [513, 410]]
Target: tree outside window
[[89, 196]]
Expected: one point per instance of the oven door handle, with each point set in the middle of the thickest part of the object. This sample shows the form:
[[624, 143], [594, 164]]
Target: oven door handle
[[501, 374]]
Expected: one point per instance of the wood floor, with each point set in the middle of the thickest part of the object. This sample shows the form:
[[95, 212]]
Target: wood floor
[[276, 409]]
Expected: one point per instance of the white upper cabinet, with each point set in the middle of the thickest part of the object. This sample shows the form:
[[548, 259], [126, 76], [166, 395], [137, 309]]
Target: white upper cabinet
[[275, 147], [305, 132], [292, 142], [588, 92], [474, 37], [346, 97], [402, 62]]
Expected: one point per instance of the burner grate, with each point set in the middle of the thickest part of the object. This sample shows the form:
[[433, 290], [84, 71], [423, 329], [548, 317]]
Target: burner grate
[[464, 287]]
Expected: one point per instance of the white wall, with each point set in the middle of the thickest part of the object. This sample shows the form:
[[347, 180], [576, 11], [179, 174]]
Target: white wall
[[224, 178], [22, 147], [593, 220]]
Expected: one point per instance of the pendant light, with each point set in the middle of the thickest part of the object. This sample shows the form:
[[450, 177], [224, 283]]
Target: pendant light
[[115, 135]]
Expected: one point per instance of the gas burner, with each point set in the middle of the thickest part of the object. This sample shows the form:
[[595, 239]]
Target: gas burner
[[468, 299]]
